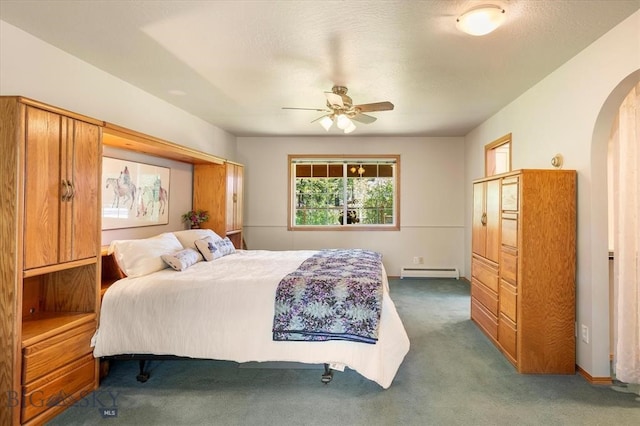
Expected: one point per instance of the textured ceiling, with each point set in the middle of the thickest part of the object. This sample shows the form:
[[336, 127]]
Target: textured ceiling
[[236, 63]]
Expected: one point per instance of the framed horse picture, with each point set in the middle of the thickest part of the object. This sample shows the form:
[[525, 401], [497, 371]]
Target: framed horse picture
[[134, 194]]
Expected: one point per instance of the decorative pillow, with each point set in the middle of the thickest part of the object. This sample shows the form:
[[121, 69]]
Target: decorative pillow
[[208, 248], [213, 249], [182, 259], [226, 246], [142, 257], [188, 238]]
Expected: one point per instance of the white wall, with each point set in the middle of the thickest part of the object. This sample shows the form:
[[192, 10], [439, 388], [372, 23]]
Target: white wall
[[32, 68], [431, 199], [570, 112]]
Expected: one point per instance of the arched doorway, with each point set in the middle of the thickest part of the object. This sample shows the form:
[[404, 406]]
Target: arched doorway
[[599, 208], [624, 149]]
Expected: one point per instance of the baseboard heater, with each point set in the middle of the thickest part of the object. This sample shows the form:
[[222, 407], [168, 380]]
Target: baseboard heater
[[425, 272]]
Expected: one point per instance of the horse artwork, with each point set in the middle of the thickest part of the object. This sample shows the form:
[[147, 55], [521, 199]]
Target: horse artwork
[[136, 194], [150, 197], [123, 190]]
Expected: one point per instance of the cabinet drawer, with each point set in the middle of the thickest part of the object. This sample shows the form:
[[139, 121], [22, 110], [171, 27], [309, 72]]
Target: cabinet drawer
[[51, 354], [485, 296], [507, 337], [508, 298], [510, 195], [509, 267], [510, 230], [484, 273], [57, 389], [486, 321]]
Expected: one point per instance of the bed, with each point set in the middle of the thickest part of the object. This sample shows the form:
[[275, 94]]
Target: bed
[[223, 309]]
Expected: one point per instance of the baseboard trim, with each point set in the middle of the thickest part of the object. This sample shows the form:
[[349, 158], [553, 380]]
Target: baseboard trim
[[594, 380], [460, 279]]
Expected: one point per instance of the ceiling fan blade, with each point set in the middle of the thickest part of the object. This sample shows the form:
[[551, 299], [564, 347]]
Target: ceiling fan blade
[[377, 106], [364, 118], [334, 99], [321, 117], [307, 109]]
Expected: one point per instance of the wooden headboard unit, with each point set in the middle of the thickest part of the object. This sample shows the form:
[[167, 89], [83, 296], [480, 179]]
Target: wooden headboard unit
[[123, 138]]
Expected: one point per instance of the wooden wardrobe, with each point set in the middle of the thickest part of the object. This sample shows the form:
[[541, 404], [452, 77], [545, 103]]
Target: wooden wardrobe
[[523, 267], [218, 189], [50, 240]]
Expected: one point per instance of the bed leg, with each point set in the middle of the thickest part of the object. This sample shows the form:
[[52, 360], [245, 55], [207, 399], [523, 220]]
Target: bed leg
[[143, 376], [328, 374]]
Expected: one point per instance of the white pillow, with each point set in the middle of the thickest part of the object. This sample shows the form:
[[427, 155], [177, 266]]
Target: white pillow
[[142, 257], [187, 238], [182, 259], [213, 249]]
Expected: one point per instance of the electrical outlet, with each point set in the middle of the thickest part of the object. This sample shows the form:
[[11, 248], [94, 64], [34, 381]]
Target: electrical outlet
[[584, 332], [416, 260]]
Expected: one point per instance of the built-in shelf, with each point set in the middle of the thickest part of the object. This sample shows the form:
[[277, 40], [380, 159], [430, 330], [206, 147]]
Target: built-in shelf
[[122, 138], [42, 325], [59, 267]]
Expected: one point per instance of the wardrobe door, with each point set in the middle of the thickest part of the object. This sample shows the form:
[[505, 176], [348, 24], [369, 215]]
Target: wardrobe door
[[234, 197], [479, 233], [81, 168], [486, 219], [43, 188]]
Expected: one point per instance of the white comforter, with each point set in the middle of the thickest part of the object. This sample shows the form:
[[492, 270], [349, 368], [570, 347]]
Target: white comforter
[[224, 310]]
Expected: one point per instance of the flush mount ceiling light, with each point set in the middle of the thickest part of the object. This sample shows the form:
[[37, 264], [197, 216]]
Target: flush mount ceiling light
[[481, 20]]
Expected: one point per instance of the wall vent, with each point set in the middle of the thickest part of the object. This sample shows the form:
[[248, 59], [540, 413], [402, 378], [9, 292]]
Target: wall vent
[[426, 272]]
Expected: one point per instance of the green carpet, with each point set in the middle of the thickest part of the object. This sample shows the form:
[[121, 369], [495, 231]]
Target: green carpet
[[452, 375]]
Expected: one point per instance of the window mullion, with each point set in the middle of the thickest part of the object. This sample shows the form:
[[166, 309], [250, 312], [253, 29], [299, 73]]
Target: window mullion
[[345, 194]]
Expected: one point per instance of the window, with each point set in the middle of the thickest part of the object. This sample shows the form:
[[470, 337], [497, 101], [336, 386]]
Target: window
[[344, 192], [497, 156]]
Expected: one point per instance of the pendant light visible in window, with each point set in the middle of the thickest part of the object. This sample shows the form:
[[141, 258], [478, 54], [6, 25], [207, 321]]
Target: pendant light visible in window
[[359, 169], [481, 20]]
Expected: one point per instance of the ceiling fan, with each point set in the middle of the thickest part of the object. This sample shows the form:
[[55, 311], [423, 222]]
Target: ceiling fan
[[340, 108]]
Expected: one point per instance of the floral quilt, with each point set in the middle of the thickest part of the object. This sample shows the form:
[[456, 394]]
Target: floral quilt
[[333, 295]]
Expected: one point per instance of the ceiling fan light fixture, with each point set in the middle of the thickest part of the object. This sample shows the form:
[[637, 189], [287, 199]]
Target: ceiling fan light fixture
[[342, 121], [326, 122], [350, 128], [341, 110], [481, 20]]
